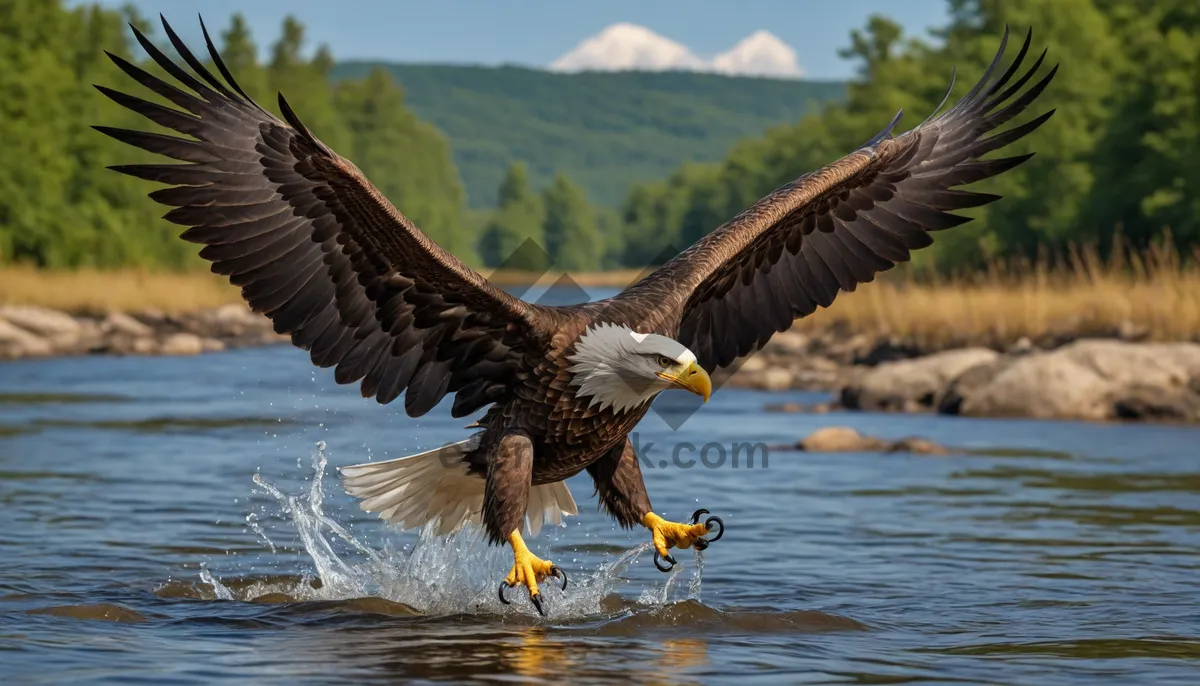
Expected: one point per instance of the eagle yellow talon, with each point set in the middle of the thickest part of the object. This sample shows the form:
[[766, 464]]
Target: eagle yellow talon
[[668, 535], [530, 570]]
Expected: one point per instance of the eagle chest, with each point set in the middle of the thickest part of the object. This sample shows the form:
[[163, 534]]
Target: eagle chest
[[569, 432]]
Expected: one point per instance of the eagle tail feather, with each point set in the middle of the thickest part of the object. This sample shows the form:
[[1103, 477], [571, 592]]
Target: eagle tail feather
[[437, 486]]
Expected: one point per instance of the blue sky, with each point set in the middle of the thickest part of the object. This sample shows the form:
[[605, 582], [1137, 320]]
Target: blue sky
[[535, 32]]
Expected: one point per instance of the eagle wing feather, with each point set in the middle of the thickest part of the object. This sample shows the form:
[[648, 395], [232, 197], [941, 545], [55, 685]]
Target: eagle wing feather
[[316, 248], [832, 229]]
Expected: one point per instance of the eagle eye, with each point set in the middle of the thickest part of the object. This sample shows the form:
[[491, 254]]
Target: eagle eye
[[665, 361]]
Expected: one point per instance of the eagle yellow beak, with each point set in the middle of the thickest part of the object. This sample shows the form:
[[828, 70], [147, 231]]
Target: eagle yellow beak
[[693, 378]]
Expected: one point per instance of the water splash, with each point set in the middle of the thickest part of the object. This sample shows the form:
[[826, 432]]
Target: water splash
[[438, 575], [219, 589]]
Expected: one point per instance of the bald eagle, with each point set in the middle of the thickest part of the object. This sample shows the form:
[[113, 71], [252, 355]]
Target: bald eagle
[[317, 249]]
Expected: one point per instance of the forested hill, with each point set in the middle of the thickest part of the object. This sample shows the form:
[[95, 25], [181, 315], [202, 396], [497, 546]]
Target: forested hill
[[606, 131]]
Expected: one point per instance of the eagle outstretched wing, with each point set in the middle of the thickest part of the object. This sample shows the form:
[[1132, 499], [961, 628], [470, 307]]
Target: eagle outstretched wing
[[317, 249], [837, 227]]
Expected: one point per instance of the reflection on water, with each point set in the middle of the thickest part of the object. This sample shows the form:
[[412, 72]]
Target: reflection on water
[[169, 518]]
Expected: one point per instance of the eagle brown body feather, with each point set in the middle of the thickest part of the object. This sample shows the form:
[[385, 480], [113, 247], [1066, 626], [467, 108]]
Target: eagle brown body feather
[[317, 249]]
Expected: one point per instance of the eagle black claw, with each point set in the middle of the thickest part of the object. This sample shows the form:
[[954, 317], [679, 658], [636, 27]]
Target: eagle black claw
[[708, 523], [536, 599], [668, 558], [500, 591], [557, 572]]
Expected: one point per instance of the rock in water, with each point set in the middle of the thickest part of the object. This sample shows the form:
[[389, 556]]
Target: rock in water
[[1095, 380], [839, 439], [917, 446], [914, 384], [843, 439]]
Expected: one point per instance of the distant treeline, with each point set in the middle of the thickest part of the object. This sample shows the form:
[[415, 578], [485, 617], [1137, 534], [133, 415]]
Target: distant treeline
[[1120, 154], [608, 131], [60, 207]]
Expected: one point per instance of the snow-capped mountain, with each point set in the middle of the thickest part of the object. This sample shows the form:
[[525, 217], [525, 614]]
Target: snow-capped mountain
[[629, 47], [759, 54], [625, 47]]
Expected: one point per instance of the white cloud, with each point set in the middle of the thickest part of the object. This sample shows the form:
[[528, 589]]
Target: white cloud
[[623, 47], [759, 54], [629, 47]]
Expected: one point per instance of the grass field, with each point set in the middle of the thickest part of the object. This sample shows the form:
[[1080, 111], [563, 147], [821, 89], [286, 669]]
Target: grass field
[[1156, 295]]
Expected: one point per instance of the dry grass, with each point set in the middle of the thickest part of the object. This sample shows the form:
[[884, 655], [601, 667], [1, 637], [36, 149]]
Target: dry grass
[[93, 291], [1155, 294]]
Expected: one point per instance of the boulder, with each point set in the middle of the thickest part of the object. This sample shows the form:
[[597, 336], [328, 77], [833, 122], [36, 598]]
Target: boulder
[[949, 400], [775, 379], [1092, 379], [843, 439], [1154, 403], [16, 342], [813, 372], [231, 321], [839, 439], [182, 344], [911, 384], [58, 330], [788, 343], [141, 346], [123, 324], [40, 320]]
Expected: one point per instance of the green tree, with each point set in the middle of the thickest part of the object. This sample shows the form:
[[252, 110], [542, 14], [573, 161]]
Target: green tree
[[611, 229], [570, 228], [518, 217], [1147, 176], [61, 207]]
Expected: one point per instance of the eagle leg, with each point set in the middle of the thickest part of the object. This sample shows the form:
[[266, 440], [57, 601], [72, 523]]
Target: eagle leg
[[529, 570], [668, 535]]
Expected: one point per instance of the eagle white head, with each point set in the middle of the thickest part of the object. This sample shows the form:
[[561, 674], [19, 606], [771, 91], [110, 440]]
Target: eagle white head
[[620, 368]]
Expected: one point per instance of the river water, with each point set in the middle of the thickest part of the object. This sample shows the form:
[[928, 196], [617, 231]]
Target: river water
[[179, 520]]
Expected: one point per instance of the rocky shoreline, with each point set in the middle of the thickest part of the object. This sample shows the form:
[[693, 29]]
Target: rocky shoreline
[[1118, 378], [27, 331], [1094, 379]]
